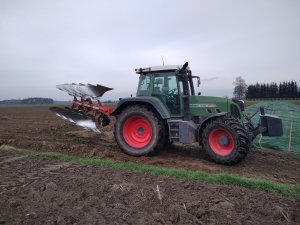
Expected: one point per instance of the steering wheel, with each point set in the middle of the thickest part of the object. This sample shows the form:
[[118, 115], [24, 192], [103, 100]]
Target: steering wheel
[[172, 91], [171, 97]]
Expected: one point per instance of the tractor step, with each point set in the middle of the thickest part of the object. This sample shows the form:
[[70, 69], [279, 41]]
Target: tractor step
[[182, 131], [174, 130]]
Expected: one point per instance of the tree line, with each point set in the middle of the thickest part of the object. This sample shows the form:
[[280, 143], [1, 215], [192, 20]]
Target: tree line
[[28, 101], [286, 89]]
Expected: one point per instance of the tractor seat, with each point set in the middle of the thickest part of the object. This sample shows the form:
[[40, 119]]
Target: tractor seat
[[165, 90], [156, 90]]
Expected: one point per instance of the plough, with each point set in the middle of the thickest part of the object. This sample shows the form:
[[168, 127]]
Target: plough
[[86, 110]]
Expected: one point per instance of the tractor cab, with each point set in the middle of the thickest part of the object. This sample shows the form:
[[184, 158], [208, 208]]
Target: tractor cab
[[170, 84]]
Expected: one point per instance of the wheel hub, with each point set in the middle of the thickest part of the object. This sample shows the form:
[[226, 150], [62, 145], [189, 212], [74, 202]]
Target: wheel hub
[[141, 130], [224, 141]]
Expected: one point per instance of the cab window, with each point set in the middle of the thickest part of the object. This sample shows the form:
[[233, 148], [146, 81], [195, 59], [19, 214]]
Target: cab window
[[166, 89], [144, 85]]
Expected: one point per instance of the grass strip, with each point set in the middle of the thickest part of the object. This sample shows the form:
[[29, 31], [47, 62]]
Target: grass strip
[[182, 174]]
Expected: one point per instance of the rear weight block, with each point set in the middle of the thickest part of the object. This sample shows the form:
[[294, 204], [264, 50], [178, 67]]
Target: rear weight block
[[273, 125]]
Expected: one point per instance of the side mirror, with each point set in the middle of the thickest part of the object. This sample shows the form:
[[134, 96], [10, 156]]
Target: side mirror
[[198, 80], [199, 93]]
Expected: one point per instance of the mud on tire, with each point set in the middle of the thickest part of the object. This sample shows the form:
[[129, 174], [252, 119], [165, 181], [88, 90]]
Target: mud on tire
[[139, 131], [226, 141]]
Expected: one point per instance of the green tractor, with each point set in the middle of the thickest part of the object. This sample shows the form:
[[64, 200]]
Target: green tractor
[[166, 110]]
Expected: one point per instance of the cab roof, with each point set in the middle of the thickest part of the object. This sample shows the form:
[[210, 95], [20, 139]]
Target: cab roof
[[159, 68]]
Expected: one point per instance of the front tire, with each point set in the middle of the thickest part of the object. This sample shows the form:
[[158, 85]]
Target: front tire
[[226, 141], [139, 131]]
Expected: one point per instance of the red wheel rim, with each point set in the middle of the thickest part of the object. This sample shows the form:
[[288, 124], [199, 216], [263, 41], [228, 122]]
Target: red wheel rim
[[221, 142], [137, 132]]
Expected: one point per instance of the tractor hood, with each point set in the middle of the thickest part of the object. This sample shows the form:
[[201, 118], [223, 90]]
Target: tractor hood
[[204, 106]]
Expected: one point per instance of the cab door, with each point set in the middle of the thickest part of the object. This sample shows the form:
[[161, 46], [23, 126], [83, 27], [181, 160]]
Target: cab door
[[165, 87]]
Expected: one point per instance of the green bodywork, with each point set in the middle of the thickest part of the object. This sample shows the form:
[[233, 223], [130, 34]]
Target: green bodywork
[[204, 106], [172, 101]]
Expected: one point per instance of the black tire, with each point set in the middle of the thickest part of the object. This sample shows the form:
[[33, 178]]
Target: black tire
[[226, 141], [127, 128], [103, 120]]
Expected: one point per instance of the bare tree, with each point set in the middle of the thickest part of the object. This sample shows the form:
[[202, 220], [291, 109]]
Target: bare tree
[[240, 88]]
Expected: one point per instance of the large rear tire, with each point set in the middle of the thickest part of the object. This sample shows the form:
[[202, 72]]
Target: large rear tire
[[226, 141], [139, 131]]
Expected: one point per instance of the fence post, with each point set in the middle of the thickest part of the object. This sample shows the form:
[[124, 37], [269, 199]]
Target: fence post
[[291, 128]]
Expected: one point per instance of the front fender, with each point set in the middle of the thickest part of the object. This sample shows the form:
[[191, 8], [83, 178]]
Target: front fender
[[207, 120]]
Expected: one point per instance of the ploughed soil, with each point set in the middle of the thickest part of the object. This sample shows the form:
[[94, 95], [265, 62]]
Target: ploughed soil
[[37, 190], [37, 128]]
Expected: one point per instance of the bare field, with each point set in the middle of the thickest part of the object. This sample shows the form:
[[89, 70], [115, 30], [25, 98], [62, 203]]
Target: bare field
[[37, 190]]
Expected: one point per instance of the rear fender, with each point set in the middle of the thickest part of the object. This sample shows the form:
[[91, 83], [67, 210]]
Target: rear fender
[[150, 101]]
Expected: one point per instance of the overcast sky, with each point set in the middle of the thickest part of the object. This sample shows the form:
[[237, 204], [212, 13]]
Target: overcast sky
[[44, 43]]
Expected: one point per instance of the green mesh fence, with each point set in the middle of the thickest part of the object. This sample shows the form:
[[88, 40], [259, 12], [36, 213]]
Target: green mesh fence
[[290, 115]]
